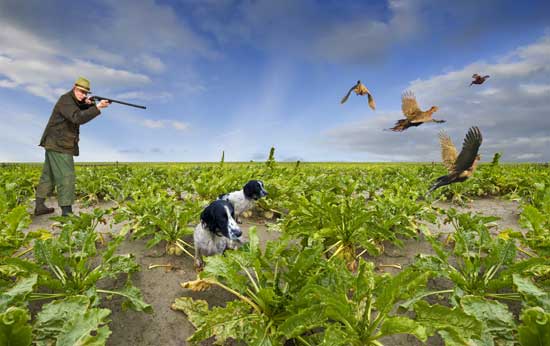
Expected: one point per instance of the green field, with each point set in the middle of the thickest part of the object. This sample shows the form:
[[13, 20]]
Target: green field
[[316, 282]]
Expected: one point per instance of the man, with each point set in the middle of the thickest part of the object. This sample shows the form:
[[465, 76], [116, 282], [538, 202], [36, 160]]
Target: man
[[60, 139]]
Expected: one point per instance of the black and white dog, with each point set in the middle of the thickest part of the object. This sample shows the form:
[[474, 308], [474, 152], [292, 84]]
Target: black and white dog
[[216, 232], [244, 199]]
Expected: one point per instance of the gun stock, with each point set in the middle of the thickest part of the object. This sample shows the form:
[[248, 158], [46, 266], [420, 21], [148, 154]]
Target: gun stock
[[99, 98]]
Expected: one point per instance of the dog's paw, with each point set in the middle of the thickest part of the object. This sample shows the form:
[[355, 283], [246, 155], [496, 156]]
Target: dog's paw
[[199, 265], [235, 244]]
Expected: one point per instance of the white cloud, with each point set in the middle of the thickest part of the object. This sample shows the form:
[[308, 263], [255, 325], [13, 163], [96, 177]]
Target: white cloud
[[511, 109], [42, 72], [529, 156], [152, 63], [6, 83], [153, 124], [17, 42], [45, 91], [145, 96], [536, 89], [489, 91], [39, 53], [180, 126], [160, 124]]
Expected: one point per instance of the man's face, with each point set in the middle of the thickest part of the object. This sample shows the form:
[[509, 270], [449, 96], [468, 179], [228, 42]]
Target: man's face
[[80, 94]]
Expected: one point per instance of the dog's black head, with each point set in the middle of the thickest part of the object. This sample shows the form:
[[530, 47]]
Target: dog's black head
[[254, 189], [219, 217]]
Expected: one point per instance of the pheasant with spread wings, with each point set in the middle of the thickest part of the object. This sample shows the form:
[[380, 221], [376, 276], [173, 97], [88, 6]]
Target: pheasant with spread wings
[[361, 90], [463, 165], [478, 79], [414, 116]]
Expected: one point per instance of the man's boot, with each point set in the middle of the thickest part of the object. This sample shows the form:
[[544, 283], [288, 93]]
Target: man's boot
[[40, 208], [66, 210]]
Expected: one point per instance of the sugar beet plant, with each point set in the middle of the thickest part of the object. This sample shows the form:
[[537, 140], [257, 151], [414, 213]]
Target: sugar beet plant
[[481, 264], [65, 273], [288, 295], [161, 218], [264, 283], [72, 269], [349, 226]]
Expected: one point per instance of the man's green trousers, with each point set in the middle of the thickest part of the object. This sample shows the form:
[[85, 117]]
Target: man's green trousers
[[58, 171]]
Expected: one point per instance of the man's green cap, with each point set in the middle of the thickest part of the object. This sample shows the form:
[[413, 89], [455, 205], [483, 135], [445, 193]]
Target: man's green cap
[[82, 84]]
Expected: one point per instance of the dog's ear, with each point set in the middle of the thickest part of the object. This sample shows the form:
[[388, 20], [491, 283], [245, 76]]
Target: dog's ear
[[249, 189], [207, 216], [232, 210]]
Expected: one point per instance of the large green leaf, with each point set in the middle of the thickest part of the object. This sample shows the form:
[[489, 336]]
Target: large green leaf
[[18, 293], [89, 329], [50, 321], [531, 293], [336, 335], [454, 325], [498, 321], [71, 321], [134, 299], [17, 267], [302, 321], [14, 327], [235, 320], [400, 287], [195, 309], [404, 325], [535, 327], [227, 269]]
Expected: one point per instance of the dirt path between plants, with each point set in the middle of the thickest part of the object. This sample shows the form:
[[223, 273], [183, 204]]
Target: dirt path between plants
[[161, 287]]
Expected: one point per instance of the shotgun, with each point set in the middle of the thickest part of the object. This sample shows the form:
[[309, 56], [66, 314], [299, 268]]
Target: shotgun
[[99, 98]]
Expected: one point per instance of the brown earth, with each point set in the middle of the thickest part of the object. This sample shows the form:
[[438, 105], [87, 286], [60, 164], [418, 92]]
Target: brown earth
[[161, 287]]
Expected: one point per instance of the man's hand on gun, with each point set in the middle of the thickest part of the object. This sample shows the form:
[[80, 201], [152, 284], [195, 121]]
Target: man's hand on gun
[[101, 104]]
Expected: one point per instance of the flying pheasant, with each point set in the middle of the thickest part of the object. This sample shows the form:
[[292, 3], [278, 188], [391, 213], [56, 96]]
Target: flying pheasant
[[478, 79], [360, 89], [414, 116], [460, 167]]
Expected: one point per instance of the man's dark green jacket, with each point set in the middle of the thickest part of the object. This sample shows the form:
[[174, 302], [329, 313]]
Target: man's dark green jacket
[[63, 129]]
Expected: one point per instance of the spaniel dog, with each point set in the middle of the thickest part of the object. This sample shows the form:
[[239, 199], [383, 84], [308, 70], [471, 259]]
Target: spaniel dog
[[244, 199], [216, 232]]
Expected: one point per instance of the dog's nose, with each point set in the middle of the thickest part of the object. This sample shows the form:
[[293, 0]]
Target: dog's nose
[[237, 232]]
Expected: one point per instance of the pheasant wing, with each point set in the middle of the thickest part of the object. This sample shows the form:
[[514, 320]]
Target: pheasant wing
[[345, 98], [448, 151], [372, 104], [409, 106], [470, 147]]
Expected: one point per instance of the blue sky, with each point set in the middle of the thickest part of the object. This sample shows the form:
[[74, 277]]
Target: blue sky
[[242, 76]]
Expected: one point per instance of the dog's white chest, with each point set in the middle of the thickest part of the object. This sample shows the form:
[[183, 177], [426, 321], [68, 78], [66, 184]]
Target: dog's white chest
[[240, 202], [209, 243]]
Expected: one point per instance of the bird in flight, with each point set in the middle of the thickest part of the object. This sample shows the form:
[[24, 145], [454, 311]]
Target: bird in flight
[[478, 79], [360, 89], [461, 166], [414, 116]]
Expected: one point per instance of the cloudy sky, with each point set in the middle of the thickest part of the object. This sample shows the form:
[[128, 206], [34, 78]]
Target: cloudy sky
[[242, 76]]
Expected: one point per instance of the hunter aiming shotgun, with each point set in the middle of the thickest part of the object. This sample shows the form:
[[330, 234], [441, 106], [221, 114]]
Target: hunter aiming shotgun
[[99, 98]]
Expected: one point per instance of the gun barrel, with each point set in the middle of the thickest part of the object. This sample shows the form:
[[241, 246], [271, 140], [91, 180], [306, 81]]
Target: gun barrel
[[99, 98]]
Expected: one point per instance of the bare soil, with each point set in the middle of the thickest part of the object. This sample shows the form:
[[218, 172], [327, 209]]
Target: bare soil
[[160, 287]]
